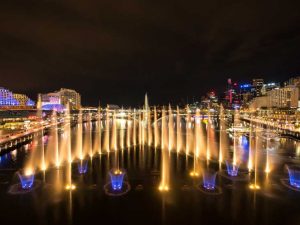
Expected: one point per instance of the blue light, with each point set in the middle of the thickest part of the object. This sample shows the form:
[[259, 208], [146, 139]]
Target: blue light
[[245, 143], [26, 180], [56, 107], [232, 169], [245, 85], [30, 103], [294, 176], [116, 178], [5, 160], [7, 98], [82, 166], [209, 180]]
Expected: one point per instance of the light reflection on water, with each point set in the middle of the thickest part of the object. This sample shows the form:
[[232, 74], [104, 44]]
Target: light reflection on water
[[143, 166]]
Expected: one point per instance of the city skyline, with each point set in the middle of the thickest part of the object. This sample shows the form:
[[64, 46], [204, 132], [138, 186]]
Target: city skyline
[[234, 94], [116, 54]]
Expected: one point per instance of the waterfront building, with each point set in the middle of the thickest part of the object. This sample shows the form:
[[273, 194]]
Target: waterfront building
[[23, 100], [285, 97], [268, 87], [70, 96], [59, 99], [10, 100]]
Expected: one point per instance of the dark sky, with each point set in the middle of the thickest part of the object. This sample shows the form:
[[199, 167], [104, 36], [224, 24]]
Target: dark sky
[[114, 51]]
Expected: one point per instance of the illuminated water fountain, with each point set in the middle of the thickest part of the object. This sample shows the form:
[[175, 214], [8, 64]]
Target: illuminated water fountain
[[232, 168], [197, 145], [122, 124], [117, 184], [26, 183], [156, 130], [209, 180], [208, 153], [208, 185], [145, 122], [171, 130], [188, 131], [222, 137], [26, 179], [235, 126], [99, 131], [134, 128], [37, 158], [255, 186], [82, 166], [89, 135], [165, 176], [52, 154], [114, 138], [55, 122], [122, 130], [294, 176], [80, 154], [250, 156], [140, 129], [268, 168], [149, 128], [179, 131], [69, 185], [40, 115], [116, 179], [128, 131], [107, 132]]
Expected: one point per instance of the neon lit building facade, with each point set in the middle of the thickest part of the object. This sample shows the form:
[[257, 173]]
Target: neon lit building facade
[[60, 99], [10, 100]]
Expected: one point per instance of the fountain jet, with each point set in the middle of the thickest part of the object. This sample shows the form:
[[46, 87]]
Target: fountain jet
[[128, 133], [69, 185], [99, 131], [26, 180], [178, 131], [79, 136], [134, 128], [107, 132], [156, 130], [116, 178], [164, 184], [82, 166], [209, 180], [232, 168], [171, 129]]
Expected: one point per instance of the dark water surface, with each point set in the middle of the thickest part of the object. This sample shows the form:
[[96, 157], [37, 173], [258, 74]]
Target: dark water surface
[[185, 203]]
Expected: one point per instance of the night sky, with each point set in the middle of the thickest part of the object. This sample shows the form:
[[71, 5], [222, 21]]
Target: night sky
[[114, 51]]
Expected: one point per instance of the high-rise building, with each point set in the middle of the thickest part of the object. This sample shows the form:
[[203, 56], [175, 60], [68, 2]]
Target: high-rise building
[[246, 93], [285, 97], [232, 95], [257, 84]]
